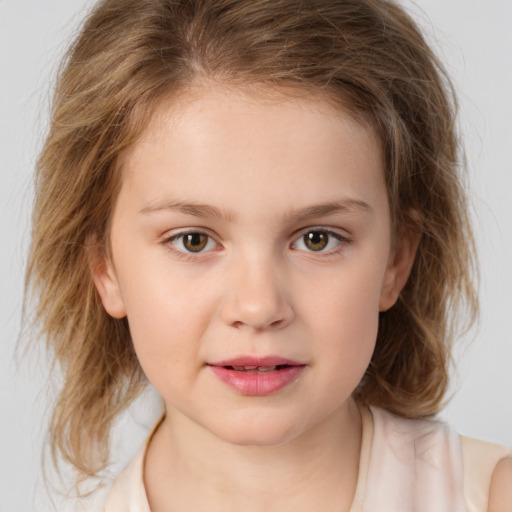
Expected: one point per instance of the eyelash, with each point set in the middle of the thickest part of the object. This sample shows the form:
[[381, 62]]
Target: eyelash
[[342, 241], [191, 255], [184, 254]]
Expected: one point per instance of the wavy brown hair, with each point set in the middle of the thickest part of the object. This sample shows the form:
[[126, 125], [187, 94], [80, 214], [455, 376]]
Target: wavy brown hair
[[364, 56]]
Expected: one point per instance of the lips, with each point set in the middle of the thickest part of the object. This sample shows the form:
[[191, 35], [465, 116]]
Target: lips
[[263, 362], [258, 376], [255, 369]]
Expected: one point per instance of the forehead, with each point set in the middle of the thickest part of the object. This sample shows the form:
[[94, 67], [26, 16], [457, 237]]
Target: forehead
[[270, 142], [252, 102]]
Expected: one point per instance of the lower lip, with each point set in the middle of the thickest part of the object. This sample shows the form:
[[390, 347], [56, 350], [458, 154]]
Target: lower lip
[[258, 384]]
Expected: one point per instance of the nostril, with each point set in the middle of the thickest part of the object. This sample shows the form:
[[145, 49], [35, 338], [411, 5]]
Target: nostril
[[258, 308]]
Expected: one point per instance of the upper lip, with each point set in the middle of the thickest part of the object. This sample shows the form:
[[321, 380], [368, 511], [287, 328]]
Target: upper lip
[[265, 361]]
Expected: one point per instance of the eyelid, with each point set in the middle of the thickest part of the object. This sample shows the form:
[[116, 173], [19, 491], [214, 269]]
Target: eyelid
[[336, 233], [342, 238], [169, 238]]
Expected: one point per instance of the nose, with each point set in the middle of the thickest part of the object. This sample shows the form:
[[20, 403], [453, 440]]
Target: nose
[[257, 297]]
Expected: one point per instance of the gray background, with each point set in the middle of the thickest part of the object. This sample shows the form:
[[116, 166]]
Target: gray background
[[473, 37]]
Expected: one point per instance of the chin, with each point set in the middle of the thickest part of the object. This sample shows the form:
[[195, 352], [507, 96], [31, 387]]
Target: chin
[[257, 431]]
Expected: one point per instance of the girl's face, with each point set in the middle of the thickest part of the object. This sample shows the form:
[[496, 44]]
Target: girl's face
[[251, 253]]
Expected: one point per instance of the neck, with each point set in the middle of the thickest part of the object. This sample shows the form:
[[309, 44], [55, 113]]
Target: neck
[[317, 470]]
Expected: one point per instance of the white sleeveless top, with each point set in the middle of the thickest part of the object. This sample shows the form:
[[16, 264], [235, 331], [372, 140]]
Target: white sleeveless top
[[405, 466]]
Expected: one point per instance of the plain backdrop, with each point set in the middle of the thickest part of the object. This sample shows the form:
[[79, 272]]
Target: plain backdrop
[[473, 38]]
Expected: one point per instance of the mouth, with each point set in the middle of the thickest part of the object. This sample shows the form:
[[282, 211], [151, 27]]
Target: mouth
[[259, 369], [258, 376], [252, 363]]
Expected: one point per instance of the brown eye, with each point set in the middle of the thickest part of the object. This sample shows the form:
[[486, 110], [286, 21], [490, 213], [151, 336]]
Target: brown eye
[[192, 242], [319, 240], [195, 242], [316, 240]]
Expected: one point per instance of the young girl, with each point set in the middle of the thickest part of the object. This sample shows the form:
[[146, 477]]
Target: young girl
[[257, 207]]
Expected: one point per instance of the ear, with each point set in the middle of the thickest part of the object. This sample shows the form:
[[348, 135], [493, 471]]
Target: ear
[[399, 267], [105, 280]]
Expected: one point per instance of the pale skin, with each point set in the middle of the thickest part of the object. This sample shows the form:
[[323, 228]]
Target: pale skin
[[500, 495], [251, 176]]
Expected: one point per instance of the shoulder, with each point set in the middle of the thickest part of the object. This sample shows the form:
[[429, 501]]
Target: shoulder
[[127, 492], [500, 493], [415, 465], [476, 474], [487, 475]]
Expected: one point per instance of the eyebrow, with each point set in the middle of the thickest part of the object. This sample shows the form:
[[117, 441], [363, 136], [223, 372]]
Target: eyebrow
[[321, 210], [194, 209], [302, 214]]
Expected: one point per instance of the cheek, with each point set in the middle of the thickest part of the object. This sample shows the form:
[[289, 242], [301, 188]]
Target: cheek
[[347, 299], [167, 319], [353, 332], [344, 323]]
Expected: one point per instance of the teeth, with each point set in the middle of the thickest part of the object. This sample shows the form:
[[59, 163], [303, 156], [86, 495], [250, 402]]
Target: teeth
[[252, 368], [266, 368]]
